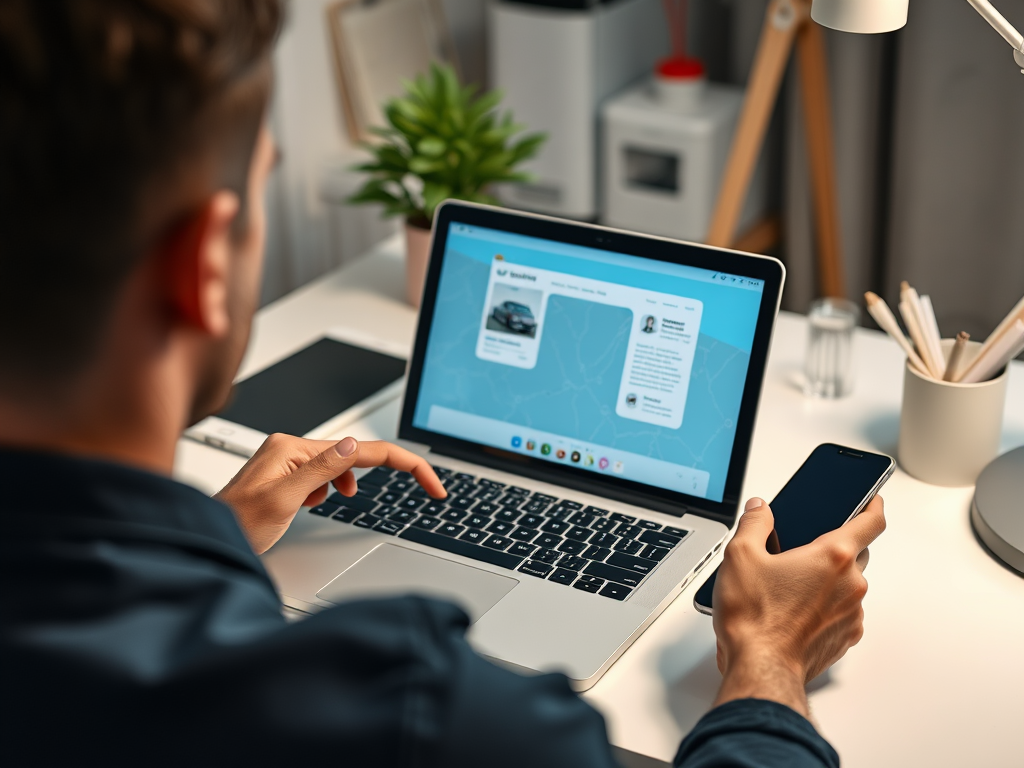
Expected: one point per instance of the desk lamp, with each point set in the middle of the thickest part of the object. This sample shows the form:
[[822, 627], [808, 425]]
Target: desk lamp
[[997, 512]]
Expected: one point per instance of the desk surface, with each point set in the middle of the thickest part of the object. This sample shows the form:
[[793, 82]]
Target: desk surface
[[938, 679]]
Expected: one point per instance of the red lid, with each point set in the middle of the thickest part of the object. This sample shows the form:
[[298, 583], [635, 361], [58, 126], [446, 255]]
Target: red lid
[[678, 68]]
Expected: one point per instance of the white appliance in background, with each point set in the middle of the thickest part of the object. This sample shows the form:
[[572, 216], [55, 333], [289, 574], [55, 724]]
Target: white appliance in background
[[666, 144], [557, 61]]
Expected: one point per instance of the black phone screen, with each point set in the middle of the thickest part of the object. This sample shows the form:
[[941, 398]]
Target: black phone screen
[[315, 384], [820, 497]]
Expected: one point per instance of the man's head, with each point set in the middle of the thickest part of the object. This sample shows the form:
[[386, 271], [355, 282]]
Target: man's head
[[132, 153]]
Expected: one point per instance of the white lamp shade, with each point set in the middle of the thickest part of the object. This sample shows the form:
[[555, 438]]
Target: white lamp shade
[[861, 16]]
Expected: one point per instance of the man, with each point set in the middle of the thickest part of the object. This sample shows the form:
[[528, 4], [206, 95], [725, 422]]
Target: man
[[138, 624]]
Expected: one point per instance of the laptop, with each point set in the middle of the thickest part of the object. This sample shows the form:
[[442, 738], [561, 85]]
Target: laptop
[[588, 397]]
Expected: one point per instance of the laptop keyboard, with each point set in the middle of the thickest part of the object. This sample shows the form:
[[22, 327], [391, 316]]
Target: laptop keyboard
[[583, 547]]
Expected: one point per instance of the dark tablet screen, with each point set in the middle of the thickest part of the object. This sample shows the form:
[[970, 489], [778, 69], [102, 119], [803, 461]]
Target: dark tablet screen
[[315, 384]]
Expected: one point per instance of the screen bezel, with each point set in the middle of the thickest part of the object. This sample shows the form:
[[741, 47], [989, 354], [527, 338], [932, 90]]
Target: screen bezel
[[765, 268]]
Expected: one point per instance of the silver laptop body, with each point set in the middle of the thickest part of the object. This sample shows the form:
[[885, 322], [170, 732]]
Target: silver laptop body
[[562, 548]]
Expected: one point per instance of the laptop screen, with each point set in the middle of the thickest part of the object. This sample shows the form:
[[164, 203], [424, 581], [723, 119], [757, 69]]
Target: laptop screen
[[609, 363]]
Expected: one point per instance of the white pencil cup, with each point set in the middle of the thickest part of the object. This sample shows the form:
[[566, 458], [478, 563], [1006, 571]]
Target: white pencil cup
[[950, 432]]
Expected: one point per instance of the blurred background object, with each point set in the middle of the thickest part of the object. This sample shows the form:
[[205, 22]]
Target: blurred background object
[[924, 146]]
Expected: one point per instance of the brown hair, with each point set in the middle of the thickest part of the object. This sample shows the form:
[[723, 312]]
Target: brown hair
[[117, 117]]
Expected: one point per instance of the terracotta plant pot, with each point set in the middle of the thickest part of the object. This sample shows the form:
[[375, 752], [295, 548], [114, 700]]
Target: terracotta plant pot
[[417, 257]]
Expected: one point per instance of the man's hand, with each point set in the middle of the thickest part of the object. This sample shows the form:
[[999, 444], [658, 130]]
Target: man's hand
[[782, 619], [290, 472]]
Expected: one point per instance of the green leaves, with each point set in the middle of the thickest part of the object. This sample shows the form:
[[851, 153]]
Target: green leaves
[[442, 141]]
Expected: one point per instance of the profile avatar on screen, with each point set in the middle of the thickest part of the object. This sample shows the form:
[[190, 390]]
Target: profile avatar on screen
[[650, 324]]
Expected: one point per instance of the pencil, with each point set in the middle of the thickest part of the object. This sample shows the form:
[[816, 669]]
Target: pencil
[[914, 329], [886, 320], [917, 325], [1017, 313], [956, 355], [999, 354]]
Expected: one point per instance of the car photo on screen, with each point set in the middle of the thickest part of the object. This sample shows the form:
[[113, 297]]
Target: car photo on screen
[[513, 311]]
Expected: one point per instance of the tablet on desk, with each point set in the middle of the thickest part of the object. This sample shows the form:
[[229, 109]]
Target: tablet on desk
[[315, 392]]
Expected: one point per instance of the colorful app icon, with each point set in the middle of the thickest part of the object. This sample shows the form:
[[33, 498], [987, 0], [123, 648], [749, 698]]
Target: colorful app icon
[[575, 457], [545, 449], [531, 445], [589, 460], [560, 453], [603, 463], [618, 468], [517, 442]]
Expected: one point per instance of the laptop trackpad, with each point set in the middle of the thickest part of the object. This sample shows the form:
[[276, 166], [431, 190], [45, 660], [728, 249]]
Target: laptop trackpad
[[389, 570]]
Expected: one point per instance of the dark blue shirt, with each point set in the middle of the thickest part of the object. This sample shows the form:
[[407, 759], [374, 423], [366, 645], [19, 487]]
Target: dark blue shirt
[[138, 628]]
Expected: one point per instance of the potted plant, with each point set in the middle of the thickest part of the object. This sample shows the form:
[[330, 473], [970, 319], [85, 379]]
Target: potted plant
[[442, 141]]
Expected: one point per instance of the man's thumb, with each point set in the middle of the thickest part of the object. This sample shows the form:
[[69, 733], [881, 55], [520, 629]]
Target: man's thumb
[[326, 466], [757, 521]]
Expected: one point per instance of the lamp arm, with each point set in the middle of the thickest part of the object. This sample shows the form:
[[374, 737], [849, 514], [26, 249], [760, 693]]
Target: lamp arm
[[999, 23]]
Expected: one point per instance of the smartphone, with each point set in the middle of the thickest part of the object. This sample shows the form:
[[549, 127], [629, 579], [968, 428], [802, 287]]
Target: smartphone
[[314, 393], [831, 488]]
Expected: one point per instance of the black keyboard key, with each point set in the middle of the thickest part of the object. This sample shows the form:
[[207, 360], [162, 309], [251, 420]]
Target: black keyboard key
[[596, 511], [603, 524], [401, 486], [630, 563], [570, 504], [628, 531], [582, 518], [579, 533], [515, 490], [620, 518], [459, 547], [476, 536], [542, 497], [596, 553], [511, 500], [611, 573], [411, 502], [524, 534], [563, 576], [345, 515], [546, 555], [390, 527], [653, 553], [476, 521], [498, 542], [489, 494], [450, 529], [402, 516], [366, 521], [649, 525], [508, 515], [572, 563], [390, 497], [629, 546], [325, 510], [378, 477], [548, 540], [442, 472], [501, 528], [591, 586], [465, 503], [561, 512], [453, 515], [434, 508], [361, 503], [533, 568], [604, 539], [557, 527], [659, 539], [680, 532], [522, 548], [486, 508], [426, 522], [615, 591], [572, 546], [490, 483], [419, 492], [534, 507], [465, 477], [532, 521]]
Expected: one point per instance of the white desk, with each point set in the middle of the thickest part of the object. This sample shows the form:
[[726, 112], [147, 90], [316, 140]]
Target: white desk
[[938, 679]]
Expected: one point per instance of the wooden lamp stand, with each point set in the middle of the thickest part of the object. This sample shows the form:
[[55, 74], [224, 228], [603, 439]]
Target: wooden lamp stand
[[787, 24]]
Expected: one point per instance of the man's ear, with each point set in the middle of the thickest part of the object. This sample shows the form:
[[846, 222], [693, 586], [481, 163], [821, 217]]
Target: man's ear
[[197, 266]]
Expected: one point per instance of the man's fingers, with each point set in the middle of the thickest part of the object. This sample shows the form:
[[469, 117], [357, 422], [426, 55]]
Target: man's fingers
[[332, 462], [868, 525], [379, 453], [863, 558]]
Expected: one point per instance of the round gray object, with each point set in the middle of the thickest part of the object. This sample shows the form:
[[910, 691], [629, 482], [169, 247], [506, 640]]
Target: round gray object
[[997, 514]]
